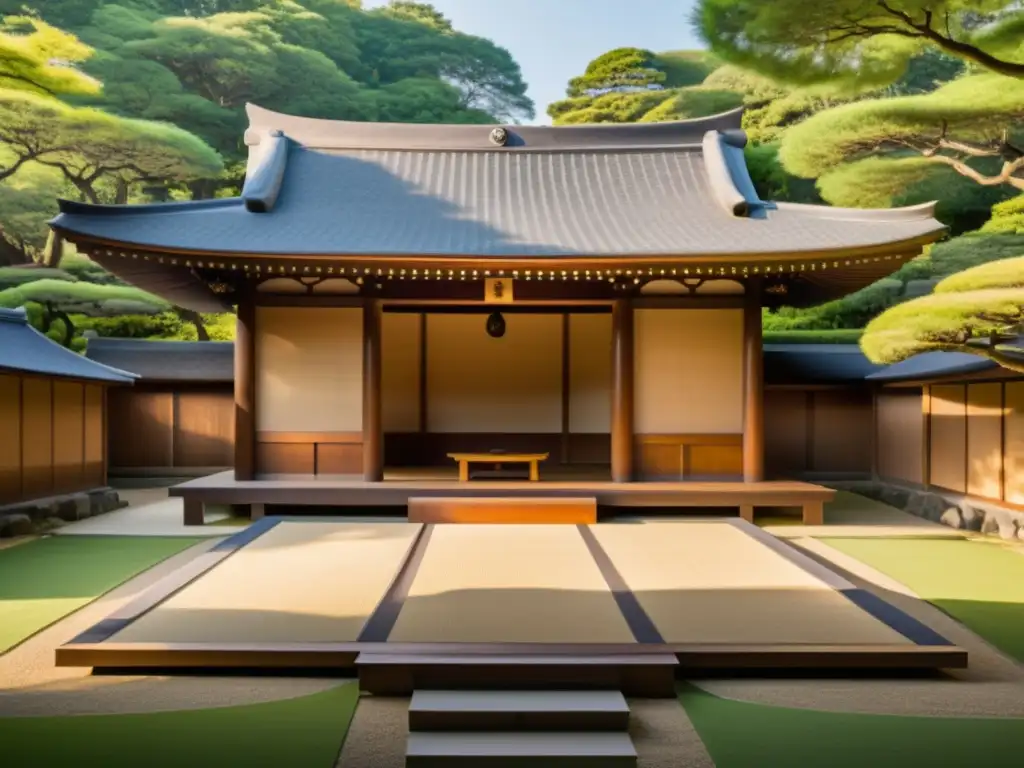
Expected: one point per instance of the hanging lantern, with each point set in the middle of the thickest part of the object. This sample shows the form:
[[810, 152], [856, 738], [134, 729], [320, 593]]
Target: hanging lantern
[[495, 325]]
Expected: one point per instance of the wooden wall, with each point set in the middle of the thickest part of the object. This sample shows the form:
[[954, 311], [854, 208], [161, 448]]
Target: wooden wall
[[967, 438], [156, 428], [822, 431], [51, 437]]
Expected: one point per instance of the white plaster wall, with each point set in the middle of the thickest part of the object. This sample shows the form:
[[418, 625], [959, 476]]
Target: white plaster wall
[[689, 371], [309, 367]]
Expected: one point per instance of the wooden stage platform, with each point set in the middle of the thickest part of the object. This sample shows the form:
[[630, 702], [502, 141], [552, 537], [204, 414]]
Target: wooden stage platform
[[399, 486], [628, 605]]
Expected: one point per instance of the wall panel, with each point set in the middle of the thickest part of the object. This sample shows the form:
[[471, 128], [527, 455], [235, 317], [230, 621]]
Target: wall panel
[[140, 427], [841, 431], [901, 435], [309, 369], [476, 383], [590, 373], [37, 437], [948, 450], [1014, 443], [786, 419], [204, 429], [985, 440], [68, 436], [10, 438], [688, 371], [400, 371], [93, 469]]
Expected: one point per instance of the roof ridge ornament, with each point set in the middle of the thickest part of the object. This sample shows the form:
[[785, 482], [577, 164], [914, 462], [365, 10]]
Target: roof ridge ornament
[[499, 136], [263, 185]]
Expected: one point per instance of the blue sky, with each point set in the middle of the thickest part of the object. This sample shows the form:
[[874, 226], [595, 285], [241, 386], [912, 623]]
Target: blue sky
[[554, 39]]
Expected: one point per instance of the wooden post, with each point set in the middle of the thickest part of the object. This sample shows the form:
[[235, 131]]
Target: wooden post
[[373, 437], [245, 385], [622, 391], [753, 384]]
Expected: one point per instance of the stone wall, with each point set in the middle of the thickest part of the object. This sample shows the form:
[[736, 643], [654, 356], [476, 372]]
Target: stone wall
[[42, 515], [950, 509]]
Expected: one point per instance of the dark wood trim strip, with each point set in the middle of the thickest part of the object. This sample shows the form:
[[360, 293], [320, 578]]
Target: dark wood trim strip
[[343, 438], [890, 615], [245, 384], [623, 424], [383, 618], [707, 656], [894, 618], [373, 430], [175, 425], [566, 384], [640, 624], [423, 373], [173, 583]]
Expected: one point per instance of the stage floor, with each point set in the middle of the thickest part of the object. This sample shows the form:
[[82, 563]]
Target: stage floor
[[314, 593]]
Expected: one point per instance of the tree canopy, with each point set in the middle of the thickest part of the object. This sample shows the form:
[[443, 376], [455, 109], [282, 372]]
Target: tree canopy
[[979, 310], [39, 58], [861, 42], [969, 125], [629, 85]]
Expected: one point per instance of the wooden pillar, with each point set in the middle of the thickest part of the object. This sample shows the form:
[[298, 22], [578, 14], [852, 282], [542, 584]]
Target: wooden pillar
[[753, 384], [622, 391], [373, 435], [245, 385]]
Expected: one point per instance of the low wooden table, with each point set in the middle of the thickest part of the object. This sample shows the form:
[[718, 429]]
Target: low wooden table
[[465, 459]]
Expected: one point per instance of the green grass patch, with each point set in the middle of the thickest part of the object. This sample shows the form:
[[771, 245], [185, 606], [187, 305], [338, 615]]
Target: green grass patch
[[46, 579], [979, 584], [829, 336], [742, 735], [305, 732]]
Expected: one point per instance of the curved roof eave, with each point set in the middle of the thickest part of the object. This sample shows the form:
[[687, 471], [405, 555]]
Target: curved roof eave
[[23, 349]]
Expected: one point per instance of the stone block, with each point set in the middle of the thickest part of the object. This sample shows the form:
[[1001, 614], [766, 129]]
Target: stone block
[[951, 517], [15, 524]]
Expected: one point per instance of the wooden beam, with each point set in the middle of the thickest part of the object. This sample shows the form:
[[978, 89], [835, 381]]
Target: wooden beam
[[753, 383], [622, 391], [245, 386], [373, 436], [423, 373], [565, 387]]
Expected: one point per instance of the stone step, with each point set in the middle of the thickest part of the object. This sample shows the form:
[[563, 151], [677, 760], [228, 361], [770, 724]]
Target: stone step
[[518, 710], [512, 750], [646, 675]]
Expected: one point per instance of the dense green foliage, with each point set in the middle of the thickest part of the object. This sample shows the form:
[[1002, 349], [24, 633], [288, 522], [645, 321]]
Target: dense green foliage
[[860, 43], [963, 313], [138, 100], [632, 85]]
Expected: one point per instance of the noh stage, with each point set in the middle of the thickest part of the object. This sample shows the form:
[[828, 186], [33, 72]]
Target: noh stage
[[627, 605]]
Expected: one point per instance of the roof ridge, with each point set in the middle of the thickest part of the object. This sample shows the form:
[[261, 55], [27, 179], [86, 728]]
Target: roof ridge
[[17, 316], [320, 133]]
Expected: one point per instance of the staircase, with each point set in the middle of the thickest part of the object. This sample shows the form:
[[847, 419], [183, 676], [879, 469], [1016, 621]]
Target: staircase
[[581, 729]]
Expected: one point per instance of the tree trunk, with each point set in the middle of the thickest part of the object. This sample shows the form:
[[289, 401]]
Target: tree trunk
[[202, 189], [121, 192], [11, 255], [191, 316], [48, 313], [69, 327]]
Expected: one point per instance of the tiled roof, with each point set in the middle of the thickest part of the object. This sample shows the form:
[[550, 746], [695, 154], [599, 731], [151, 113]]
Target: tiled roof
[[319, 187], [25, 350], [198, 361], [816, 364]]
